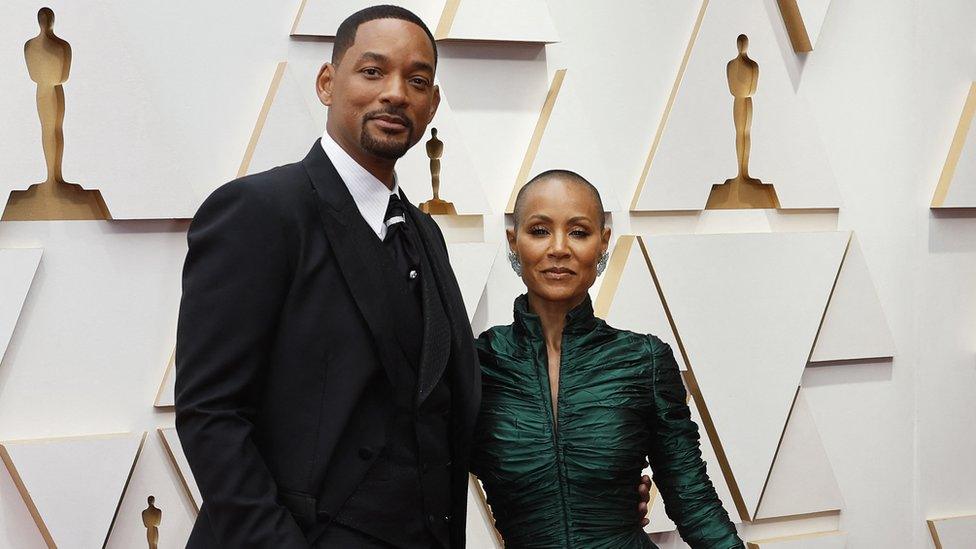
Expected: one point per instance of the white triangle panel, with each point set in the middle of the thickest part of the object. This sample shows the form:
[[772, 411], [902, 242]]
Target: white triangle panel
[[854, 326], [472, 262], [503, 21], [286, 128], [174, 449], [819, 540], [954, 532], [568, 143], [813, 13], [17, 269], [636, 304], [166, 396], [75, 484], [323, 17], [17, 527], [657, 515], [801, 480], [957, 185], [747, 308], [697, 141], [480, 528], [460, 183], [153, 476]]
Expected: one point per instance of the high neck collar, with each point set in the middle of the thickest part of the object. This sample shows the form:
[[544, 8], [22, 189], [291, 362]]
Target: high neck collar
[[579, 319]]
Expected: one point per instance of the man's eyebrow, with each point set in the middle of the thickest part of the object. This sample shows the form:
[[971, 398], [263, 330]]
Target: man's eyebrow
[[373, 56], [421, 66]]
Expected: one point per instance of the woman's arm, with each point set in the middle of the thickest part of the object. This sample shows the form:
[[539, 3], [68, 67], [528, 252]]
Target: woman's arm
[[675, 457]]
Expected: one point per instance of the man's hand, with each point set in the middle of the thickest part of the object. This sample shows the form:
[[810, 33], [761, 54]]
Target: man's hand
[[644, 490]]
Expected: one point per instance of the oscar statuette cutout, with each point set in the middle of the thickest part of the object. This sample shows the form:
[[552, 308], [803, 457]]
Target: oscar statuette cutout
[[435, 206], [152, 516], [742, 191], [48, 64]]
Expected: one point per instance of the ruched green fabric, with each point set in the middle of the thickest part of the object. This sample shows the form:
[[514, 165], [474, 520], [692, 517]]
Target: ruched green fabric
[[572, 483]]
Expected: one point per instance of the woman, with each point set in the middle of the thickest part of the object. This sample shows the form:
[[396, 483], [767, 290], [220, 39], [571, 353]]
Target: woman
[[572, 408]]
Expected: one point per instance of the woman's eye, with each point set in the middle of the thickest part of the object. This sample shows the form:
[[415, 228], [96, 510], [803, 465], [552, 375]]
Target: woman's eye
[[579, 233], [538, 231]]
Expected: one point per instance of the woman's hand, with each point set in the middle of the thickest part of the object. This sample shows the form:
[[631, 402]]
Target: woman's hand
[[644, 490]]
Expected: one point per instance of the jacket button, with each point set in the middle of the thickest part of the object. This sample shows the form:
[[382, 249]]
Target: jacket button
[[447, 518], [365, 453]]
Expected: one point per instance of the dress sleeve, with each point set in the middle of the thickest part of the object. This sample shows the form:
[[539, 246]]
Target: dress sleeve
[[675, 458]]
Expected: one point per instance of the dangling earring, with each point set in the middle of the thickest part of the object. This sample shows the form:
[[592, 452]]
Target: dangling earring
[[601, 265], [516, 264]]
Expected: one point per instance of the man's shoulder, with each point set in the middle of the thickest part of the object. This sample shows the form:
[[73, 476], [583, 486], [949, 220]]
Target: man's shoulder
[[280, 188]]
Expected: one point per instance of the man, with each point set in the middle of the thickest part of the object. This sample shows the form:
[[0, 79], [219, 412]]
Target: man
[[327, 383]]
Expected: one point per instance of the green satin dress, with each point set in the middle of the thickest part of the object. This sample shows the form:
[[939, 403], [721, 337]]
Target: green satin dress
[[572, 483]]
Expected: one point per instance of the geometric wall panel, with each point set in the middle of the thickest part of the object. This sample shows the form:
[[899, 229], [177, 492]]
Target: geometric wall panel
[[563, 140], [285, 129], [659, 521], [957, 184], [497, 21], [17, 268], [804, 20], [472, 264], [745, 309], [820, 540], [953, 532], [628, 298], [481, 533], [854, 326], [165, 396], [322, 17], [476, 20], [153, 476], [171, 442], [695, 145], [801, 480], [73, 486]]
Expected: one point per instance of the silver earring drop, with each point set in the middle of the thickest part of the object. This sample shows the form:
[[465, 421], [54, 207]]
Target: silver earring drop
[[601, 265], [516, 264]]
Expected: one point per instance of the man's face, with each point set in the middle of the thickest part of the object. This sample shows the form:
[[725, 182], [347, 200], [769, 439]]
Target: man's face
[[381, 95]]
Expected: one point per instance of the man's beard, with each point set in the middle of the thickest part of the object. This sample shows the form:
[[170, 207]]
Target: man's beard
[[389, 148]]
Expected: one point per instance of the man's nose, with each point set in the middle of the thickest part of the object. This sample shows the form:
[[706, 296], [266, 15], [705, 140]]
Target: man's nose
[[395, 91]]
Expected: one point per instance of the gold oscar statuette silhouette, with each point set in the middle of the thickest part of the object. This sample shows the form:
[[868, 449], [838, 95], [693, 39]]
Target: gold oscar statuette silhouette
[[151, 517], [435, 150], [48, 63], [742, 191]]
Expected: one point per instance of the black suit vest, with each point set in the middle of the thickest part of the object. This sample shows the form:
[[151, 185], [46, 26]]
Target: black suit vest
[[404, 499]]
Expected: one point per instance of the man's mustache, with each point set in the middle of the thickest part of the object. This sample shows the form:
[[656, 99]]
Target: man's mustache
[[396, 113]]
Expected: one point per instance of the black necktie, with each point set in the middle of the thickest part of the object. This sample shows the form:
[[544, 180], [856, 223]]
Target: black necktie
[[399, 240]]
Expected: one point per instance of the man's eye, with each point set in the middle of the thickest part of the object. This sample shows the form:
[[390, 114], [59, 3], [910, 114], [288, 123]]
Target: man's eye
[[371, 71], [420, 82]]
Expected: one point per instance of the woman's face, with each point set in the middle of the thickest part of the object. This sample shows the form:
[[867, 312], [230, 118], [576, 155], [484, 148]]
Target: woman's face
[[559, 240]]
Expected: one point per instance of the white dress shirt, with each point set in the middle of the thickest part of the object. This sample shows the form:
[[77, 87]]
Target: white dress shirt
[[369, 193]]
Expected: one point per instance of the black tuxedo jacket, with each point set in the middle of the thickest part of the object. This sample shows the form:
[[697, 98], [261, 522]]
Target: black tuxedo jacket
[[286, 356]]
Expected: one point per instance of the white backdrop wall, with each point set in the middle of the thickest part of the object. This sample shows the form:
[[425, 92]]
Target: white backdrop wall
[[886, 85]]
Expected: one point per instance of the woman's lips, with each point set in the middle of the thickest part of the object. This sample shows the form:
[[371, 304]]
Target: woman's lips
[[558, 273]]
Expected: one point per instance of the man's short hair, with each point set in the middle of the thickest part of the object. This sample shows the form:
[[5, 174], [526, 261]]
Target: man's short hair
[[565, 175], [346, 34]]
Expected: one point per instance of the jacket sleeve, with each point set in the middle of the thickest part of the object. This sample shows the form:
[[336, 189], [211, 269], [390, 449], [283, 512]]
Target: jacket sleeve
[[235, 278], [675, 458]]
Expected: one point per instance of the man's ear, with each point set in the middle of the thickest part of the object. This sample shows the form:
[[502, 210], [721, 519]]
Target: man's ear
[[324, 83], [434, 104]]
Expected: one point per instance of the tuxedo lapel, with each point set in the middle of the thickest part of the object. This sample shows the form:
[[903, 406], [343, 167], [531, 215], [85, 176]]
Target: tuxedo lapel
[[359, 259]]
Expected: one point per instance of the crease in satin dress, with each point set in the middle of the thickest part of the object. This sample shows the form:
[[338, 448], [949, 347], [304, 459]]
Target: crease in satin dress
[[572, 483]]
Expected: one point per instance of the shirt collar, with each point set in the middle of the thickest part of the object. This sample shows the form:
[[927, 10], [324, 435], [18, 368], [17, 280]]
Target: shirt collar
[[369, 193]]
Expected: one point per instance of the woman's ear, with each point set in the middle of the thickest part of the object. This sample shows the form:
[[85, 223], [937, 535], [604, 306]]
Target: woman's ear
[[510, 234], [605, 238], [324, 82]]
